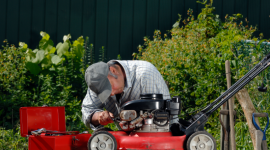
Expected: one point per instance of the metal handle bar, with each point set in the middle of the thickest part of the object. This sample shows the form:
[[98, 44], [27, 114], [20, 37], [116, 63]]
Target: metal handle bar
[[234, 85], [237, 86], [201, 118]]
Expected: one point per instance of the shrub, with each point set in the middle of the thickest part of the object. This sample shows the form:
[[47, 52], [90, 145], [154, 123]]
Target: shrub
[[58, 75], [192, 59], [50, 75], [11, 139], [195, 54], [14, 84]]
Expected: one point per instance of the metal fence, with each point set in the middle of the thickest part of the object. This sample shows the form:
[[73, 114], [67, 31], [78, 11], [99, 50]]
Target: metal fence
[[119, 25]]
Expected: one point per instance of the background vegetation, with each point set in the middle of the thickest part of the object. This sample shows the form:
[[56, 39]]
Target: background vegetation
[[48, 75], [190, 57]]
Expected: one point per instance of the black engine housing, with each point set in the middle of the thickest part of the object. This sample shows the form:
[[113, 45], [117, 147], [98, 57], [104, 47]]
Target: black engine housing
[[154, 102]]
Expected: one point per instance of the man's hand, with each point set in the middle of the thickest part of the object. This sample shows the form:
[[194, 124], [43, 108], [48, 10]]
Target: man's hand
[[103, 118]]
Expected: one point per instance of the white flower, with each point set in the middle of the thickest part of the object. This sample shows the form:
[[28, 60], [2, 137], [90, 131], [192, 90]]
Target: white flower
[[21, 44], [42, 33], [66, 37]]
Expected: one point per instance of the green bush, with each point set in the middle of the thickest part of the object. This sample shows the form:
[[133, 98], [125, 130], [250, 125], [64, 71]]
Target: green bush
[[14, 84], [192, 59], [195, 54], [50, 75], [12, 140], [58, 75]]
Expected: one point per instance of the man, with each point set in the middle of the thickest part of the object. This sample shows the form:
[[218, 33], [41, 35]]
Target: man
[[111, 85]]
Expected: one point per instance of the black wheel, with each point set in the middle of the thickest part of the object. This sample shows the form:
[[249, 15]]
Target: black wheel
[[102, 140], [201, 140]]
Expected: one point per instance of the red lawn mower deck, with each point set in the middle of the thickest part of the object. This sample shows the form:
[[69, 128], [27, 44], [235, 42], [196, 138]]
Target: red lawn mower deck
[[55, 137]]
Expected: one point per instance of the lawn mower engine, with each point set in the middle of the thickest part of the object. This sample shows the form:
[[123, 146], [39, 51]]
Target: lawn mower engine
[[145, 124], [149, 114]]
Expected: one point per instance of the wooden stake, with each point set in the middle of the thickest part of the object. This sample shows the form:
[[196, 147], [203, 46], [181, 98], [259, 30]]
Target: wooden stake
[[231, 106], [248, 108], [258, 138], [225, 119]]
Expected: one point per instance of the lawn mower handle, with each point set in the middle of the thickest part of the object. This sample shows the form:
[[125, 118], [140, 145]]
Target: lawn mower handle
[[263, 64], [201, 118]]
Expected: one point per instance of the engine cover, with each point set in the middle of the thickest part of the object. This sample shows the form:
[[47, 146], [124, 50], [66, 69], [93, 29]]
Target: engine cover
[[143, 104]]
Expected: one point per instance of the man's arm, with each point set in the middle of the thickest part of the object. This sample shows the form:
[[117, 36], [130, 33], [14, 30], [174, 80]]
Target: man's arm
[[102, 118], [93, 115]]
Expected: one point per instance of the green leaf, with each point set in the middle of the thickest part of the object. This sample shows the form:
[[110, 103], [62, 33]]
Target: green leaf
[[259, 44], [35, 50], [176, 24], [234, 63], [39, 56], [1, 111], [80, 41], [30, 54], [44, 35], [46, 62], [239, 15], [52, 51], [78, 51], [52, 68], [33, 68], [62, 48], [56, 59], [46, 45]]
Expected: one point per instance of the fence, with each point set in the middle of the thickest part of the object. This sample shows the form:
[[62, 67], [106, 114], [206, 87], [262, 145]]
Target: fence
[[119, 25]]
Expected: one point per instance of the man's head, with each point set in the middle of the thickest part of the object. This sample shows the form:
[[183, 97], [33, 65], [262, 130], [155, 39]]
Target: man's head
[[116, 77], [105, 79]]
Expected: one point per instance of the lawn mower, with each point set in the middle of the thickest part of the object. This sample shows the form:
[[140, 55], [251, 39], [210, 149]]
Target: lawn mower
[[145, 124]]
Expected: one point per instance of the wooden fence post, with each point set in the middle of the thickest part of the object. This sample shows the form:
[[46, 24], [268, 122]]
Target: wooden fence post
[[224, 119], [231, 107]]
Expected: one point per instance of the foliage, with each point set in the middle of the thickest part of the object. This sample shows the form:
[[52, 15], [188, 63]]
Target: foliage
[[58, 75], [14, 84], [185, 56], [192, 59], [251, 54], [50, 75], [11, 139]]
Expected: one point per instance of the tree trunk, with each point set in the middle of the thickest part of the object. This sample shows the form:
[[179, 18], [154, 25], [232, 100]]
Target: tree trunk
[[248, 108]]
